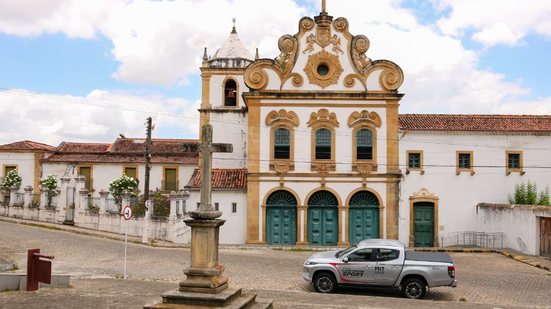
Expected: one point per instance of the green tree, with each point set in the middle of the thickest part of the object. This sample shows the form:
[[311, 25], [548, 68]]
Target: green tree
[[531, 193]]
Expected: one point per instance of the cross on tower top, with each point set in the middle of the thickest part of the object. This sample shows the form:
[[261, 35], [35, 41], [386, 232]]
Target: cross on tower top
[[323, 7]]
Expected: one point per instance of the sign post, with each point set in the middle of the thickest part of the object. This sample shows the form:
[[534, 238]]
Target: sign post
[[126, 214]]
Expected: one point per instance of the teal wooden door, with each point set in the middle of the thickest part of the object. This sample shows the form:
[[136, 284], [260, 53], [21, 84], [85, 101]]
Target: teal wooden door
[[423, 224], [323, 223], [281, 219], [363, 217]]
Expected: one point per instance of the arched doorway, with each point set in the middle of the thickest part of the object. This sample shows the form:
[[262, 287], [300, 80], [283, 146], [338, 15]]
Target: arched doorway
[[363, 217], [281, 218], [323, 220]]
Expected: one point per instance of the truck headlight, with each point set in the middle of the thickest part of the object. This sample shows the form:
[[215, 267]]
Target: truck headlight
[[310, 263]]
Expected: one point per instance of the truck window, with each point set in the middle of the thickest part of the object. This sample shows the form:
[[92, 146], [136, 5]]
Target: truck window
[[386, 255], [361, 255]]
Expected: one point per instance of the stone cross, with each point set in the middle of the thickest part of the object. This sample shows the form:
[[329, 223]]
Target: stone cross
[[205, 210], [323, 6]]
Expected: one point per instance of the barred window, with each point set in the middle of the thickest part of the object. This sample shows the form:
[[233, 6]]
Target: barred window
[[323, 144], [364, 144], [282, 142]]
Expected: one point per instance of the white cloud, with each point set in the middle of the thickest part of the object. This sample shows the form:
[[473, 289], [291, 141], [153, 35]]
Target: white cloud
[[496, 21], [161, 42], [99, 116]]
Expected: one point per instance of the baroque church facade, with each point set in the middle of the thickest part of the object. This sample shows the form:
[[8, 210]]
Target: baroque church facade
[[322, 156], [329, 160]]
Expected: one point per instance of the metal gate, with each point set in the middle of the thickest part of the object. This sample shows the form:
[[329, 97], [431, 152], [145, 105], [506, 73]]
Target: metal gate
[[323, 219], [363, 217], [423, 224], [281, 218], [545, 237]]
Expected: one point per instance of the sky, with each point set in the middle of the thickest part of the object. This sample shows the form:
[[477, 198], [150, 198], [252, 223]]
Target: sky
[[87, 71]]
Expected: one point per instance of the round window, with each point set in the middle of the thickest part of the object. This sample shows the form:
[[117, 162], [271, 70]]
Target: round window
[[323, 69]]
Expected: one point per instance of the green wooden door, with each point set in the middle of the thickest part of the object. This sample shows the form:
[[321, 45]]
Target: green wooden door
[[281, 219], [423, 224], [323, 223], [363, 217]]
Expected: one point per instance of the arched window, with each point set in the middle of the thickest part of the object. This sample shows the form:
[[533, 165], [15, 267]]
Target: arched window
[[323, 144], [282, 143], [230, 93], [364, 144]]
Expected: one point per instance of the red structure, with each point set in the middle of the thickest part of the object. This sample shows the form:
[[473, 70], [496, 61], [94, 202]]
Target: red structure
[[38, 270]]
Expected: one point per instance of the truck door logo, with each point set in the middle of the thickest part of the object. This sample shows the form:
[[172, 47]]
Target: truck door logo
[[379, 269], [347, 272]]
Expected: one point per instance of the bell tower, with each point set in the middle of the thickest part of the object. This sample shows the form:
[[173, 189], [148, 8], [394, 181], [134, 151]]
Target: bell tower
[[222, 105]]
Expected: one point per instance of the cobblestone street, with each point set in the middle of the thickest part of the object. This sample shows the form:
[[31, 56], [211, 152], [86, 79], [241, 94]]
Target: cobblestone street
[[484, 278]]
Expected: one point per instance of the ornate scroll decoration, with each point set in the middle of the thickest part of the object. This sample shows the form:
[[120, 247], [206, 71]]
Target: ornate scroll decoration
[[391, 76], [288, 46], [282, 116], [364, 117], [323, 117], [256, 76], [330, 62]]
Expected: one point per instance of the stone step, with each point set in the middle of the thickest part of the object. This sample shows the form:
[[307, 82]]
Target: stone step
[[262, 303], [241, 302]]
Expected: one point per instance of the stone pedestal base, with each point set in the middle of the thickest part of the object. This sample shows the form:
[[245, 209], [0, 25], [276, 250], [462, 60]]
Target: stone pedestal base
[[229, 298], [204, 280]]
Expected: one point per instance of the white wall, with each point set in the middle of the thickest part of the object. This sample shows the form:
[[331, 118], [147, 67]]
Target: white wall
[[104, 174], [459, 194], [520, 223], [231, 128], [25, 166], [234, 231]]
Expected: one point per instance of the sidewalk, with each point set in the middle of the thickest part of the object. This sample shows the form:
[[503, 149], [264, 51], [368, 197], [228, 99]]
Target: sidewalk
[[117, 293], [536, 261]]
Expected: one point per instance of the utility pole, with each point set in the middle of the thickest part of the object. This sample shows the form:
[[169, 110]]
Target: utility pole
[[147, 159]]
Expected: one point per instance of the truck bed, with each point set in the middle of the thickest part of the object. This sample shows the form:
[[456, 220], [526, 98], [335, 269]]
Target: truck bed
[[428, 256]]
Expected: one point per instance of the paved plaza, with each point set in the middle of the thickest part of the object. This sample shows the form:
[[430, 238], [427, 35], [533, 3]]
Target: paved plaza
[[486, 280]]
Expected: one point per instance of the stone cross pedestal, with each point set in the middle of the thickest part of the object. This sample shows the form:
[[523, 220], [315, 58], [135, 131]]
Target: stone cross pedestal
[[205, 286]]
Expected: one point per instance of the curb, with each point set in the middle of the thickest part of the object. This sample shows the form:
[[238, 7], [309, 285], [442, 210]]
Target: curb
[[525, 260]]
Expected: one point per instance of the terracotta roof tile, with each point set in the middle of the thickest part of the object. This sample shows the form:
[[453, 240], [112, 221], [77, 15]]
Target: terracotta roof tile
[[27, 145], [221, 179], [475, 123], [70, 147], [125, 150]]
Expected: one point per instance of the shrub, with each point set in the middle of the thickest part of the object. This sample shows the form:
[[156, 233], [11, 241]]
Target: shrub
[[12, 180], [117, 186], [49, 184], [544, 198], [527, 194]]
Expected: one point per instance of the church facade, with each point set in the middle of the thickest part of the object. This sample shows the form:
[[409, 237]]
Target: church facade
[[330, 161]]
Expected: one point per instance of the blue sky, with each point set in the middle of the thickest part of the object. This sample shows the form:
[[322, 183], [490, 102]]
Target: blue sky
[[111, 60]]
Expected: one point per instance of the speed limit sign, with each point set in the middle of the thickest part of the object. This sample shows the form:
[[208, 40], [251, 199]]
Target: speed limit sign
[[127, 213]]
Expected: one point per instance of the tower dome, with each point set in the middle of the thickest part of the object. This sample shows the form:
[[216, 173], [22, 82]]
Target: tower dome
[[232, 54]]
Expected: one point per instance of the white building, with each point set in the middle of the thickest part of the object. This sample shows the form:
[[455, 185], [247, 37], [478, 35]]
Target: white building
[[321, 155]]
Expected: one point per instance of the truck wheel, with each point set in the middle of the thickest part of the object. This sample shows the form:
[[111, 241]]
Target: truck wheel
[[325, 283], [414, 288]]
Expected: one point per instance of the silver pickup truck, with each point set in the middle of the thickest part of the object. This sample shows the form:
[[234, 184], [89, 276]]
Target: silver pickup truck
[[383, 263]]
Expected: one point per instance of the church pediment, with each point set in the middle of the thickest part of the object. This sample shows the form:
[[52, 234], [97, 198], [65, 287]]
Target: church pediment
[[323, 55]]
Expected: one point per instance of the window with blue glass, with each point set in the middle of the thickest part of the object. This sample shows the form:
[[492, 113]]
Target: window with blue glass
[[323, 144], [282, 143], [364, 144]]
